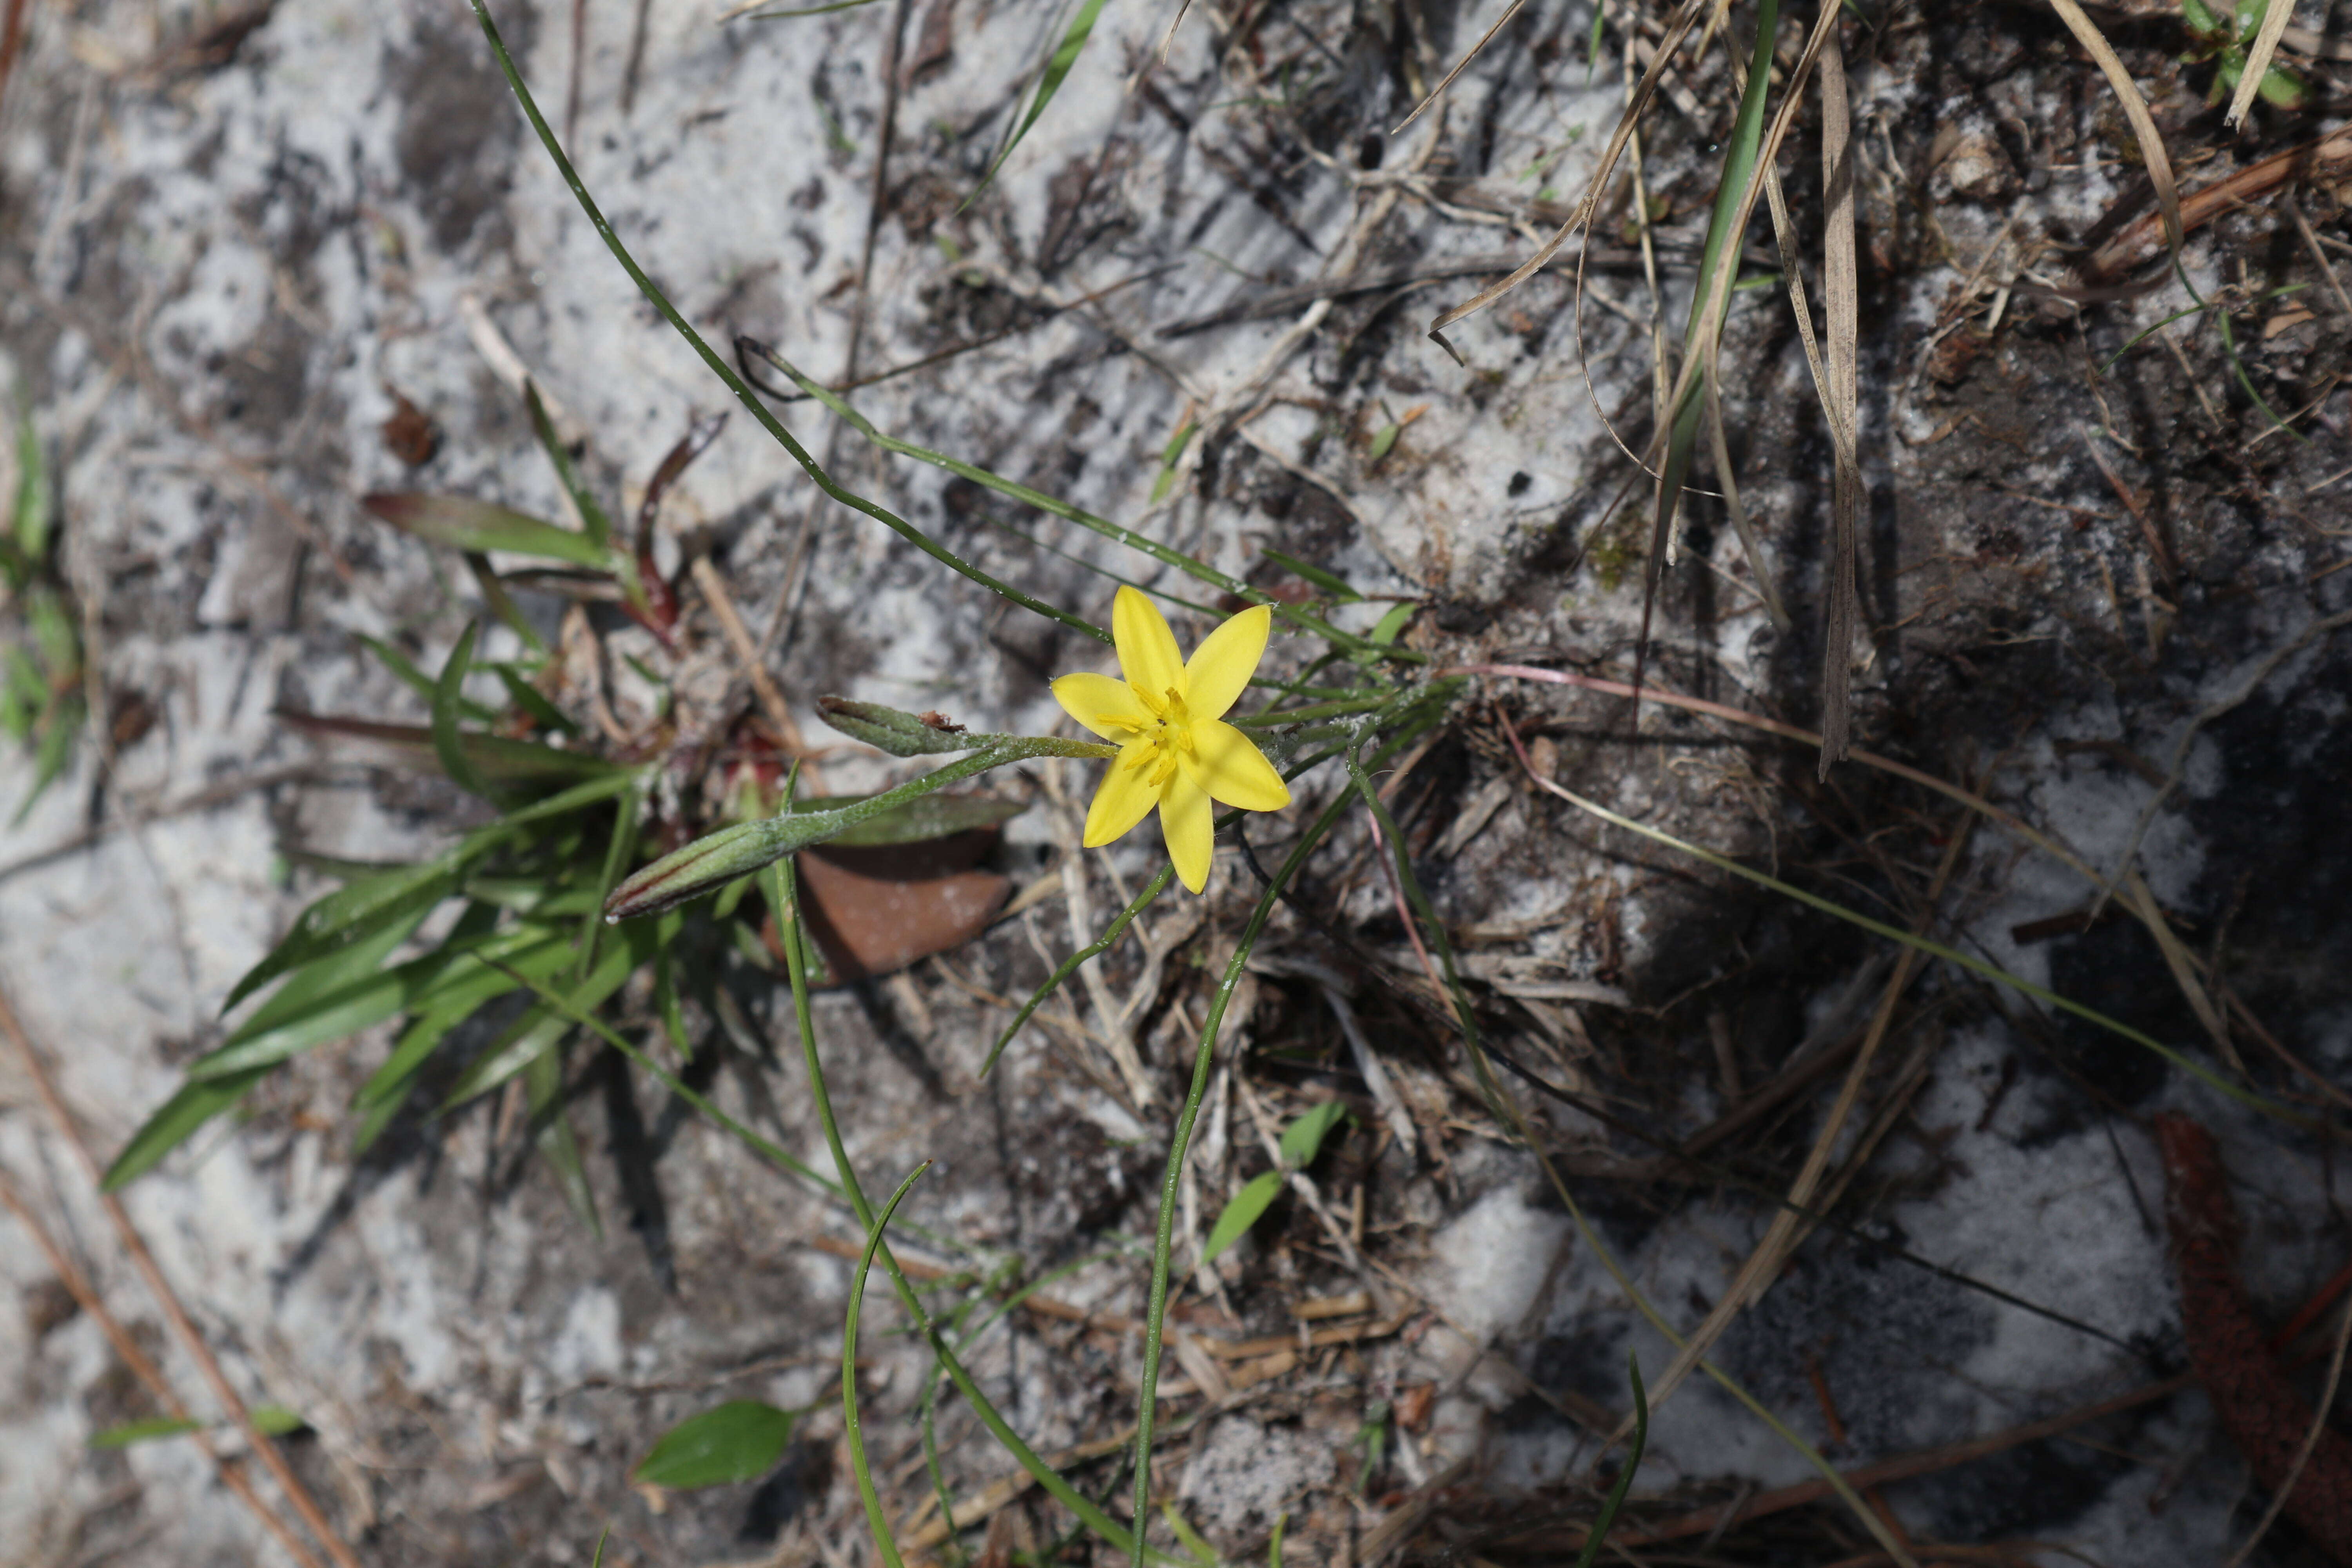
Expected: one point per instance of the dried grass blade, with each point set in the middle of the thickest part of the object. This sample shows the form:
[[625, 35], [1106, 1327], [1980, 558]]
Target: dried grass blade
[[1781, 1239], [1757, 562], [1736, 200], [2135, 108], [2258, 65], [1676, 30], [1459, 66], [1841, 301]]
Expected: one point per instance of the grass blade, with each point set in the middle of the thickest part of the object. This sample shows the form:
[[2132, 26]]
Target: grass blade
[[356, 910], [180, 1116], [1056, 507], [448, 743], [594, 526], [1049, 82], [853, 1429], [558, 1145], [726, 373], [466, 524], [777, 882], [1616, 1499], [1069, 966]]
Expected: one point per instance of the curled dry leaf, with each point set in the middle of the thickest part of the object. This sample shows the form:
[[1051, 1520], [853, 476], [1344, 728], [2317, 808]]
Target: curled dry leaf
[[879, 908]]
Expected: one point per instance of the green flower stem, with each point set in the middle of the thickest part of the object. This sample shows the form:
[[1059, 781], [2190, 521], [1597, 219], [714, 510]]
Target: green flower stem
[[778, 882], [853, 1428], [1084, 519], [726, 373], [1101, 944], [1317, 711], [717, 858], [1163, 1242]]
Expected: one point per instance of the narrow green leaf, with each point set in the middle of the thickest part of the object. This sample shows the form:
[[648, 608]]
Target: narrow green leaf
[[275, 1420], [447, 695], [405, 670], [597, 527], [876, 1521], [536, 1034], [176, 1121], [457, 975], [473, 525], [550, 1125], [1049, 82], [1391, 624], [145, 1431], [530, 699], [356, 910], [738, 1441], [1240, 1213], [28, 529], [1330, 583], [1616, 1499], [1384, 439], [1189, 1538], [1303, 1139], [524, 764]]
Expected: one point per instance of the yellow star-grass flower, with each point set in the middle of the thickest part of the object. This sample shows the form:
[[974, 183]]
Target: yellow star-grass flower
[[1168, 715]]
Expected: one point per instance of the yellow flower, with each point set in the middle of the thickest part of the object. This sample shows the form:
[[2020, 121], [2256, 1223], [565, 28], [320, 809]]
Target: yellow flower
[[1175, 750]]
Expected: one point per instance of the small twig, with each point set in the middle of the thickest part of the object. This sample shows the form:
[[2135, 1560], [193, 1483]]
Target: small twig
[[747, 654], [173, 1312], [86, 1297], [202, 800]]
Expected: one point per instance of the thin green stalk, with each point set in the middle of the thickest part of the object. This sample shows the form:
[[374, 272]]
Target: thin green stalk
[[1616, 1499], [1057, 507], [1163, 1242], [853, 1428], [726, 373], [717, 858], [777, 880], [1508, 1109], [1101, 944], [1722, 251]]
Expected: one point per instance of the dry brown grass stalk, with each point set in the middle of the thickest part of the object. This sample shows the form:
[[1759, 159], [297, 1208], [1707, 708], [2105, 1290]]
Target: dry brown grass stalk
[[86, 1297], [183, 1326]]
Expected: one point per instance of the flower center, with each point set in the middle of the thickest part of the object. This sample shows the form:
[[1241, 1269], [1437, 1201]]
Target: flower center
[[1166, 734]]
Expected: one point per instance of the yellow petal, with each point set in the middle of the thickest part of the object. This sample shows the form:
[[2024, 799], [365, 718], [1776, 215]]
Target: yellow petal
[[1102, 704], [1219, 671], [1147, 649], [1187, 823], [1124, 798], [1121, 800], [1227, 763]]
